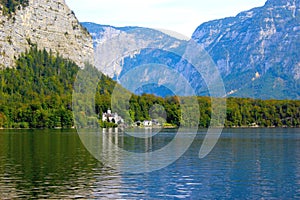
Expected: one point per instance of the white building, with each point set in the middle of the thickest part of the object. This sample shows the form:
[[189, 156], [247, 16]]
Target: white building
[[147, 123], [112, 117]]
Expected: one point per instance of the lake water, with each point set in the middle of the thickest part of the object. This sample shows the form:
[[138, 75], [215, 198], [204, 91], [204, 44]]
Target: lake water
[[245, 164]]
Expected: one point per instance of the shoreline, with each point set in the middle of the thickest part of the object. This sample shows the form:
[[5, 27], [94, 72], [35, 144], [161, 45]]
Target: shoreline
[[240, 127]]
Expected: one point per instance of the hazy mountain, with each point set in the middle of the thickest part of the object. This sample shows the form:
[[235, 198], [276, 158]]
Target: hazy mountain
[[160, 49]]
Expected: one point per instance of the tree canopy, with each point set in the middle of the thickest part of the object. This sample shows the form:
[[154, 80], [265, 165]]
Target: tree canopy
[[37, 93]]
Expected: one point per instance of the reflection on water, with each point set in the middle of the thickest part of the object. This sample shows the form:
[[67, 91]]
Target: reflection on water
[[245, 164], [49, 164], [137, 151]]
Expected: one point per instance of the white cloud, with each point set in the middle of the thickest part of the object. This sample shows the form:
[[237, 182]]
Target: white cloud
[[183, 16]]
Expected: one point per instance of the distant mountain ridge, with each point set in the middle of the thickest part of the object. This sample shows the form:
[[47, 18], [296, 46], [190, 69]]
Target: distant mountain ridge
[[257, 52], [102, 33]]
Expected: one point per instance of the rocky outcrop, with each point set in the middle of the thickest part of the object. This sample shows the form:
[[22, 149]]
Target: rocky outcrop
[[48, 23]]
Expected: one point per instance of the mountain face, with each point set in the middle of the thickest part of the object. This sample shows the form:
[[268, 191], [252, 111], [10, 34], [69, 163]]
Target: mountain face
[[100, 34], [257, 52], [148, 38], [49, 24]]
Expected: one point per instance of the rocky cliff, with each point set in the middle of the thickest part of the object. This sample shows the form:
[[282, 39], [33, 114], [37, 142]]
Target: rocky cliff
[[49, 24]]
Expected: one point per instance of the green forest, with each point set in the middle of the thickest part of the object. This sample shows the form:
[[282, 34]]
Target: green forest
[[37, 93], [241, 112], [10, 6]]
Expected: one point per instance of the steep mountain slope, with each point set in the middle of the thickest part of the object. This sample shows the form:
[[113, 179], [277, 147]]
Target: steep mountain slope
[[50, 24], [136, 35], [257, 52]]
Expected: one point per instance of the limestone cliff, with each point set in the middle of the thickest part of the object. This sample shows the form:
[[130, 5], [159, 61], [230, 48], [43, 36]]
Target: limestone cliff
[[48, 23]]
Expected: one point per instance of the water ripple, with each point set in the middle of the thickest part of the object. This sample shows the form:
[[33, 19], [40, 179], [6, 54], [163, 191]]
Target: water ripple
[[243, 165]]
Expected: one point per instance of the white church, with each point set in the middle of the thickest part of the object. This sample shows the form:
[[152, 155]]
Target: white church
[[112, 117]]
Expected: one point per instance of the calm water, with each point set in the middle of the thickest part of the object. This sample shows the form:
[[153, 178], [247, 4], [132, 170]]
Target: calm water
[[245, 164]]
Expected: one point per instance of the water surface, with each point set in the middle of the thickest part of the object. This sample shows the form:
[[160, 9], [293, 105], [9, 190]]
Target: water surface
[[245, 164]]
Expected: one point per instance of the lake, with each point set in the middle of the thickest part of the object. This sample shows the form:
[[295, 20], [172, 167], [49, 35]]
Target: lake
[[245, 164]]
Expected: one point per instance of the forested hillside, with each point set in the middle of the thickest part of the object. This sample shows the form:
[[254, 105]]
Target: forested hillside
[[241, 112], [38, 94]]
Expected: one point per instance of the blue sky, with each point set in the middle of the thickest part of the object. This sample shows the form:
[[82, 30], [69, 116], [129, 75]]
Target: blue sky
[[182, 16]]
